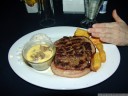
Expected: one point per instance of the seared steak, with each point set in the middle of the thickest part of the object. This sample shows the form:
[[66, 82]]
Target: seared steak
[[73, 54]]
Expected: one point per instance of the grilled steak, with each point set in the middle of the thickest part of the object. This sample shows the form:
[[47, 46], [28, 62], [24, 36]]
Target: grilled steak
[[73, 56]]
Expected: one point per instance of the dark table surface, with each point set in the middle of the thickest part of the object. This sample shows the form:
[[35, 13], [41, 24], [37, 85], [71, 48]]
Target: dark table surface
[[16, 22]]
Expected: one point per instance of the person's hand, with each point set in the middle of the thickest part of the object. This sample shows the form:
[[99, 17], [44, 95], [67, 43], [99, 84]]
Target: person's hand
[[114, 32]]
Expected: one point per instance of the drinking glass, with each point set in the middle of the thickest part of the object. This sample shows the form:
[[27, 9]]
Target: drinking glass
[[91, 8], [46, 9]]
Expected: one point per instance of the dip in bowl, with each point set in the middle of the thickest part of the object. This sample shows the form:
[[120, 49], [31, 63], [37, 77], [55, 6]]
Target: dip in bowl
[[39, 53]]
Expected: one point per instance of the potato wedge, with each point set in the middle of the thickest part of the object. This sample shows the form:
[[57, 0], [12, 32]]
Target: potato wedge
[[99, 46], [95, 40], [96, 62], [102, 55], [81, 32]]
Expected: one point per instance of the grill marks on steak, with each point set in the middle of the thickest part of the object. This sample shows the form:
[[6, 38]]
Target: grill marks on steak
[[73, 53]]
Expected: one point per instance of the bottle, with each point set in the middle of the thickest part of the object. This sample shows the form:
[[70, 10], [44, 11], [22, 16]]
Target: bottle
[[103, 7]]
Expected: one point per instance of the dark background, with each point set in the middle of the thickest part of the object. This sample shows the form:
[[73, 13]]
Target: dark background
[[15, 22]]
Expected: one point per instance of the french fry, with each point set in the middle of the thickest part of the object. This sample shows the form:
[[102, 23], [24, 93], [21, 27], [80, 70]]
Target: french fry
[[95, 40], [102, 55], [81, 32], [99, 46], [96, 62]]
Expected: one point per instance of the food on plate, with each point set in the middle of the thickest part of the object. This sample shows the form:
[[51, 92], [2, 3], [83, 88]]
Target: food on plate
[[102, 55], [81, 32], [99, 46], [73, 56], [39, 53], [95, 40], [96, 62]]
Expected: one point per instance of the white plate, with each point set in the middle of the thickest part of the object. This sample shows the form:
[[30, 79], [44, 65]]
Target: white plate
[[46, 78]]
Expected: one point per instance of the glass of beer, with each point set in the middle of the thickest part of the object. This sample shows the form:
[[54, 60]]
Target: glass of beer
[[91, 8]]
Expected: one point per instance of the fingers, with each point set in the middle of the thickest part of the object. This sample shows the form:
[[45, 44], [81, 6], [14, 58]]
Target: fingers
[[116, 16], [107, 25], [105, 37], [100, 30], [102, 35], [95, 32], [101, 25], [108, 32], [108, 40]]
